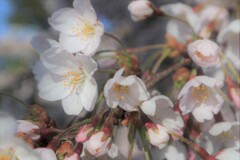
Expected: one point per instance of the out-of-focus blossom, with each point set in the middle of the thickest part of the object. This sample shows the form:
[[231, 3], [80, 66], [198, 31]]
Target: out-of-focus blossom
[[174, 150], [66, 77], [181, 11], [83, 133], [140, 9], [28, 128], [227, 133], [204, 52], [11, 147], [229, 153], [73, 156], [157, 135], [80, 31], [99, 144], [127, 92], [159, 111], [212, 18], [235, 95], [230, 36], [201, 97], [46, 153]]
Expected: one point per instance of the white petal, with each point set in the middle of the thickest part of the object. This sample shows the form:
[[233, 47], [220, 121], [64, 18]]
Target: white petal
[[84, 7], [111, 98], [46, 153], [87, 63], [51, 88], [218, 128], [232, 154], [89, 94], [73, 43], [202, 113], [8, 126], [92, 46], [72, 104], [64, 19]]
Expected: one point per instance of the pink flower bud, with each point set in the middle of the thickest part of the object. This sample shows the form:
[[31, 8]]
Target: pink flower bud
[[204, 52], [235, 96], [83, 133], [99, 144], [140, 9], [157, 135]]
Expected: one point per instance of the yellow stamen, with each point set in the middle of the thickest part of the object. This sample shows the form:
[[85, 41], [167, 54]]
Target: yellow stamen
[[200, 93], [120, 90], [84, 30]]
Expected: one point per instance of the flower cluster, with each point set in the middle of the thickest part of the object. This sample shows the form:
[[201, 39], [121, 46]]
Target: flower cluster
[[127, 115]]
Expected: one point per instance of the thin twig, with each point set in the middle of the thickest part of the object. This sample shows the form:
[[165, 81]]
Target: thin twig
[[16, 99]]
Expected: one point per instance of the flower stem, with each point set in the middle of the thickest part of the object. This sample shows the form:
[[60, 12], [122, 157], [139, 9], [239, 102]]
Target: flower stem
[[147, 47], [16, 99], [148, 155], [159, 62]]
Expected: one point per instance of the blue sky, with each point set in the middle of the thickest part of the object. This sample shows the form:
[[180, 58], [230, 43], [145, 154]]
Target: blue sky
[[5, 11]]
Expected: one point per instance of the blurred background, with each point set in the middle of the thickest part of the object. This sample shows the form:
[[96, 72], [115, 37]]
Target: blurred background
[[20, 20]]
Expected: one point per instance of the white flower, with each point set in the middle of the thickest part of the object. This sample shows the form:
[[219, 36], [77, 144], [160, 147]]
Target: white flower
[[175, 150], [229, 153], [46, 153], [201, 97], [63, 76], [140, 9], [212, 18], [157, 135], [99, 144], [181, 11], [159, 111], [80, 31], [12, 148], [127, 92], [228, 133], [28, 128], [204, 52], [230, 36]]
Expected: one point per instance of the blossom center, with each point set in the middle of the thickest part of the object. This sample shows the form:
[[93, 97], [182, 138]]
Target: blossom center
[[7, 155], [74, 78], [83, 29], [200, 93], [120, 90]]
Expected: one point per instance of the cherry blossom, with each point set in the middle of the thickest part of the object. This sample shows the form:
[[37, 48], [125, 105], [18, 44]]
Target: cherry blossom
[[127, 92], [157, 135], [201, 96], [140, 9], [63, 76], [204, 52], [46, 153], [80, 31], [230, 36]]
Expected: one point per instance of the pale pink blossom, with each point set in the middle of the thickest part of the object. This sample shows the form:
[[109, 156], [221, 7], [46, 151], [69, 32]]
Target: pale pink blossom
[[204, 52], [229, 153], [99, 144], [157, 134], [230, 36], [80, 31], [83, 133], [127, 92], [140, 9], [201, 96], [28, 128], [159, 110]]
